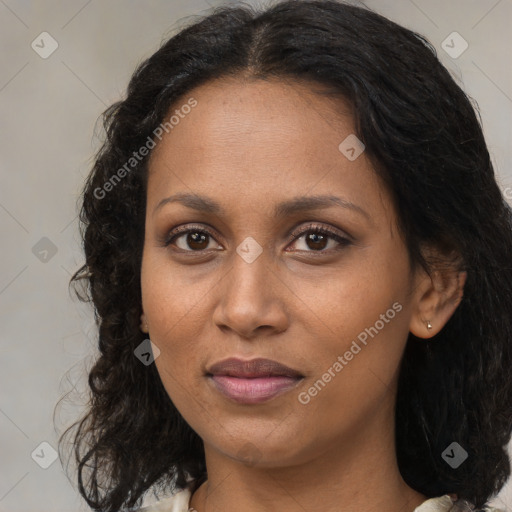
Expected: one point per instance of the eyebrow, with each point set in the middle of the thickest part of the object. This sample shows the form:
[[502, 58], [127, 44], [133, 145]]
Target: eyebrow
[[289, 207]]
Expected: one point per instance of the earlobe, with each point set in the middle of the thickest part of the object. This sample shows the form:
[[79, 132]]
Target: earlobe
[[437, 298]]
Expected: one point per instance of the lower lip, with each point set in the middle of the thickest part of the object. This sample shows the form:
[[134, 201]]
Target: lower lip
[[255, 390]]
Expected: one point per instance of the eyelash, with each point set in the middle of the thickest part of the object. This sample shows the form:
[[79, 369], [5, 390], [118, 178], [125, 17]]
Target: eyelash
[[311, 228]]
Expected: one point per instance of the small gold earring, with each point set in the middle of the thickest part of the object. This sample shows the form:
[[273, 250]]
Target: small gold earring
[[143, 324], [429, 325]]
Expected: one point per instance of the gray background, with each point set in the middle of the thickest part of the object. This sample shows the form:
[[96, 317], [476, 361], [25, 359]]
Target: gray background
[[49, 108]]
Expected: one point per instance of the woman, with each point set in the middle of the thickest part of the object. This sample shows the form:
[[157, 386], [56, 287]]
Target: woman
[[299, 260]]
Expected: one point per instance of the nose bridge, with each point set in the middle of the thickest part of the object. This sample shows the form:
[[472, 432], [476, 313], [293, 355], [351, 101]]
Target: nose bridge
[[250, 269], [248, 299]]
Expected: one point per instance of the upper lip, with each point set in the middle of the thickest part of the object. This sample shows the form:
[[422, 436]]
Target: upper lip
[[259, 367]]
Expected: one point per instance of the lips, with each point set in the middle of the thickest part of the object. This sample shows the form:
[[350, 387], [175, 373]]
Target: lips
[[252, 369], [254, 381]]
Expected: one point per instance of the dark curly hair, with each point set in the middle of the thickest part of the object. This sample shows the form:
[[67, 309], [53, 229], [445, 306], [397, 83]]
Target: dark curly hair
[[425, 141]]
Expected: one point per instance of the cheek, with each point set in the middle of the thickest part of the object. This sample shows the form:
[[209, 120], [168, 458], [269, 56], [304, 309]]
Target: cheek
[[362, 317], [172, 297], [360, 342], [172, 307], [352, 299]]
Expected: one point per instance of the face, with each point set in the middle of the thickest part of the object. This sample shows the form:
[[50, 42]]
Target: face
[[237, 264]]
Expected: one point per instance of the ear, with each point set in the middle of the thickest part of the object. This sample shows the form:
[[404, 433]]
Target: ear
[[436, 298], [143, 323]]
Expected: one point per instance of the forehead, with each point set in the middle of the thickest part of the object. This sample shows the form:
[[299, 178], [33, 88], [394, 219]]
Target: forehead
[[260, 138], [242, 112]]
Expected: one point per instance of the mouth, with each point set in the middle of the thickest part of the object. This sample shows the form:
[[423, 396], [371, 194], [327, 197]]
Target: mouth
[[254, 381]]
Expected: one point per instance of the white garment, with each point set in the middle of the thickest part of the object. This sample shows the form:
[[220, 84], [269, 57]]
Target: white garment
[[180, 502], [177, 503]]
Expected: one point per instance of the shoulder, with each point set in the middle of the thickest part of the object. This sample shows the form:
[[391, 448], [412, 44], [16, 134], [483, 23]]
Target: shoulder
[[178, 502]]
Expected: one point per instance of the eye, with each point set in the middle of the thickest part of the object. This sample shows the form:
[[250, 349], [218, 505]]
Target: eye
[[317, 238], [193, 238]]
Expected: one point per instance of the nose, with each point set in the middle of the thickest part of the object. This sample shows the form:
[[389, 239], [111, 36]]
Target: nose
[[252, 299]]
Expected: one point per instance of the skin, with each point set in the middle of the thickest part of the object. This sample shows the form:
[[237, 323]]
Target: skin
[[250, 144]]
